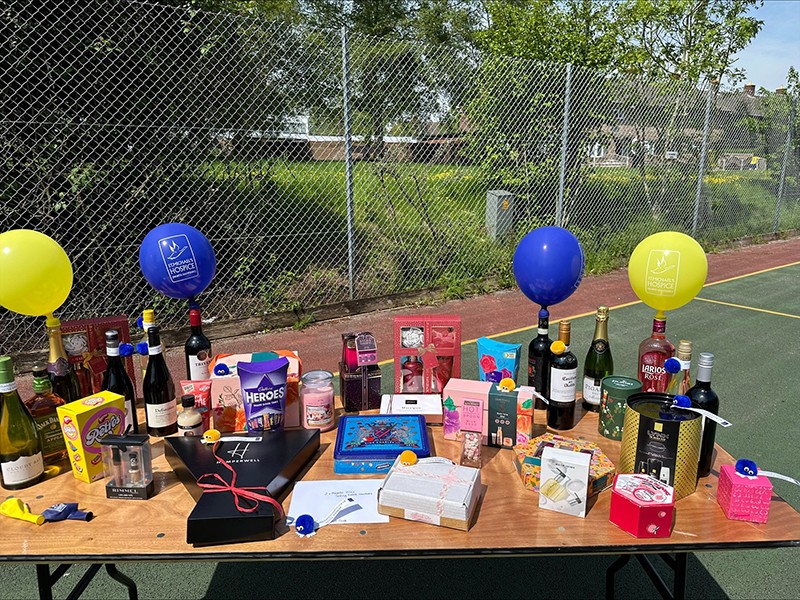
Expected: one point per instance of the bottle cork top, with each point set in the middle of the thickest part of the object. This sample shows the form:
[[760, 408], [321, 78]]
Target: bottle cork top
[[564, 326], [6, 369], [602, 313], [685, 347]]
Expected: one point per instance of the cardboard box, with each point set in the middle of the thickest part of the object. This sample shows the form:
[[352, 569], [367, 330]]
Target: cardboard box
[[370, 443], [642, 505], [743, 498], [528, 460], [435, 491], [427, 405], [565, 476], [271, 463], [433, 339], [84, 423]]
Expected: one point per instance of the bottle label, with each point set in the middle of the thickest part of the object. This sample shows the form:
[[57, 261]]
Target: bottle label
[[154, 349], [23, 470], [8, 387], [591, 391], [191, 430], [49, 430], [600, 346], [652, 374], [686, 365], [161, 415], [59, 368], [112, 351], [562, 384], [198, 365]]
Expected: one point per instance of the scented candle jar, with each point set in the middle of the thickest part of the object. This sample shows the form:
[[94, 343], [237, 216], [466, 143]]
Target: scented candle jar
[[316, 396]]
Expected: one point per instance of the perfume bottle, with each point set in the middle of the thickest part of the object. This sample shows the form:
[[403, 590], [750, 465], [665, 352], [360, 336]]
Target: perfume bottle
[[412, 375], [555, 488]]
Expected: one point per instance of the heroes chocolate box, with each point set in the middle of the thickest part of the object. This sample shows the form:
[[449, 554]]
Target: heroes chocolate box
[[273, 462]]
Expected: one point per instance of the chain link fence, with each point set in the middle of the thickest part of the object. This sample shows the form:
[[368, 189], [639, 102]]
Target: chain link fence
[[325, 167]]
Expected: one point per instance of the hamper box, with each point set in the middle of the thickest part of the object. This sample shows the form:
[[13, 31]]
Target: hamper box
[[434, 490], [370, 443]]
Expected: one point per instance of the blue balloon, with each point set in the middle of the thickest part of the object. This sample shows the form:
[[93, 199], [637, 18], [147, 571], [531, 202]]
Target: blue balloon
[[177, 260], [548, 265]]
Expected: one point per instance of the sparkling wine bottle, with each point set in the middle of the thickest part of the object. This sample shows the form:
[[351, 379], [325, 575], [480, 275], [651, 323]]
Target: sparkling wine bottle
[[197, 349], [539, 359], [653, 351], [599, 362], [42, 407], [62, 375], [684, 354], [21, 461], [161, 408], [563, 380], [702, 396], [116, 379]]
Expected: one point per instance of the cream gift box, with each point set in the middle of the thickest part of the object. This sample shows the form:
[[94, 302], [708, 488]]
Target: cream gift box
[[427, 405]]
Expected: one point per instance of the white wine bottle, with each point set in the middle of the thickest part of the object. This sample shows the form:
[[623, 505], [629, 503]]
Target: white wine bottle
[[21, 461]]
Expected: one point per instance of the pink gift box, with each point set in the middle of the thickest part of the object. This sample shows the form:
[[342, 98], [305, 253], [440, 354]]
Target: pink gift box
[[642, 506], [743, 498]]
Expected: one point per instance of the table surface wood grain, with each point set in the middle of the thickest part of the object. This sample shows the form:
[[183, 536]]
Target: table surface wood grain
[[508, 522]]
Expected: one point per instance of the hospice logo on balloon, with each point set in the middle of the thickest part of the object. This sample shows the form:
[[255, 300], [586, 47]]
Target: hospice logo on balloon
[[178, 256], [661, 278]]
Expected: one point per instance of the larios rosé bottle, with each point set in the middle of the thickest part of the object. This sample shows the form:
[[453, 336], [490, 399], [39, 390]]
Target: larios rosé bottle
[[653, 351]]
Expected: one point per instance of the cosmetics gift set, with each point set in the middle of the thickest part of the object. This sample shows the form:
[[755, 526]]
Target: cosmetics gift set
[[427, 352]]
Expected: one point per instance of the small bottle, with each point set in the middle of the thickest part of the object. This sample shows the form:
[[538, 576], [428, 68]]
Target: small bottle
[[563, 379], [702, 396], [653, 351], [197, 349], [190, 421], [42, 407], [412, 375], [316, 397], [116, 378], [539, 359], [684, 354], [599, 362], [62, 375], [21, 461], [148, 320], [159, 390]]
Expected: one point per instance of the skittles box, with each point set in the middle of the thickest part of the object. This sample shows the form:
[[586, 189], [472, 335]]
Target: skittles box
[[84, 423]]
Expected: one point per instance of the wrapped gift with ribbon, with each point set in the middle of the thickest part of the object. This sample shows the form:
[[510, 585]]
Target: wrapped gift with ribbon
[[432, 343]]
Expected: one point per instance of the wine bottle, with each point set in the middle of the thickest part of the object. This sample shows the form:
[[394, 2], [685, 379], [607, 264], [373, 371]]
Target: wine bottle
[[161, 408], [147, 320], [42, 407], [563, 379], [684, 354], [599, 362], [116, 378], [62, 375], [653, 351], [539, 359], [702, 396], [197, 349], [21, 461]]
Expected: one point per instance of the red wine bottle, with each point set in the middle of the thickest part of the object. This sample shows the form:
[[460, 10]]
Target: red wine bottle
[[197, 349], [116, 379], [702, 396], [539, 359], [563, 381], [161, 408]]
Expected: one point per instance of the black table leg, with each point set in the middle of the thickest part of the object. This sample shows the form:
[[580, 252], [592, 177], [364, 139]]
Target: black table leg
[[46, 580], [43, 582], [612, 571], [679, 585], [111, 569]]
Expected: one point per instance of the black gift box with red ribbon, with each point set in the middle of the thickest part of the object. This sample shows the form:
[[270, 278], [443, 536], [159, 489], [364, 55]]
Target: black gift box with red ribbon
[[238, 484]]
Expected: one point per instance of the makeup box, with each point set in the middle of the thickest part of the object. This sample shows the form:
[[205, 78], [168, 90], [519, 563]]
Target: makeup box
[[370, 443]]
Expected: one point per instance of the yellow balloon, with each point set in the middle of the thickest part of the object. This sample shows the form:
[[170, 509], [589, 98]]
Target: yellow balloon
[[667, 270], [35, 271]]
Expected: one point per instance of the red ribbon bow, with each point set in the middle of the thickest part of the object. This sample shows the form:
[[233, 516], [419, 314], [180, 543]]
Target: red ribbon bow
[[239, 493]]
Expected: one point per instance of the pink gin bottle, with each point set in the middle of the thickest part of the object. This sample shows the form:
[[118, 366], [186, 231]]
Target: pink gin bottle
[[653, 352]]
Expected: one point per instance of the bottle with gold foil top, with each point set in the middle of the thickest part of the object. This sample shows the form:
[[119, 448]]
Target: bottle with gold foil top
[[684, 354], [42, 407], [146, 321], [62, 376], [563, 380], [598, 363]]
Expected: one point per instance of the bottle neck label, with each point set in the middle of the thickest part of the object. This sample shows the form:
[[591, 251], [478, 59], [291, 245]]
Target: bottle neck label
[[23, 470], [8, 387], [59, 367], [112, 351], [151, 350], [543, 331], [600, 346]]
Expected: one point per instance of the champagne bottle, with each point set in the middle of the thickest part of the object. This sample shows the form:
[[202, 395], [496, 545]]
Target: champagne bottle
[[653, 351], [563, 379], [702, 396], [599, 362], [539, 359], [147, 320], [197, 349], [684, 354], [62, 375], [21, 461], [42, 407], [116, 379], [161, 408]]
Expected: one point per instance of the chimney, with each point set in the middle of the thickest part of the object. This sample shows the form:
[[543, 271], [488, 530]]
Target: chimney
[[750, 89], [781, 91]]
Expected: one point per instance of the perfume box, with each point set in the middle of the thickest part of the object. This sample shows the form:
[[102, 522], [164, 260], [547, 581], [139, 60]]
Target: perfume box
[[427, 405], [743, 498], [270, 460], [642, 505], [565, 480], [434, 490], [427, 352], [360, 390], [528, 460], [370, 443]]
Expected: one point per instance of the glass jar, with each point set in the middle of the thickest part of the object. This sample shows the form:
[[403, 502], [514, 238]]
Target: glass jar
[[316, 396]]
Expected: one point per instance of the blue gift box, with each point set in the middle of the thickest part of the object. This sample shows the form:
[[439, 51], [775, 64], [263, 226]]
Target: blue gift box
[[370, 443]]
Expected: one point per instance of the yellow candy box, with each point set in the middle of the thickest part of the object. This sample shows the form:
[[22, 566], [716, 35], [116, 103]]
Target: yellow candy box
[[84, 423]]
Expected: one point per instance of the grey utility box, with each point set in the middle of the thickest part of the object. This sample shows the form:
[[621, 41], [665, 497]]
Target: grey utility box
[[499, 213]]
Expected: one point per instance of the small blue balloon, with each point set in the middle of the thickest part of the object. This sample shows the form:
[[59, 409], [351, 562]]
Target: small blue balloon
[[177, 260], [548, 265]]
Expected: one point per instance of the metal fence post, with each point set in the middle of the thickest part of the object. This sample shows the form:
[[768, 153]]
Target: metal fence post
[[564, 137], [348, 163], [703, 154], [786, 154]]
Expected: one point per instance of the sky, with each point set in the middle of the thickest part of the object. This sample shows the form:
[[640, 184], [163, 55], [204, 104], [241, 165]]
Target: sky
[[777, 46]]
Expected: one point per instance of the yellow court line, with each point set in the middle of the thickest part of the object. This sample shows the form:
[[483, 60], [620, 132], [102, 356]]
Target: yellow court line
[[763, 310], [751, 274]]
